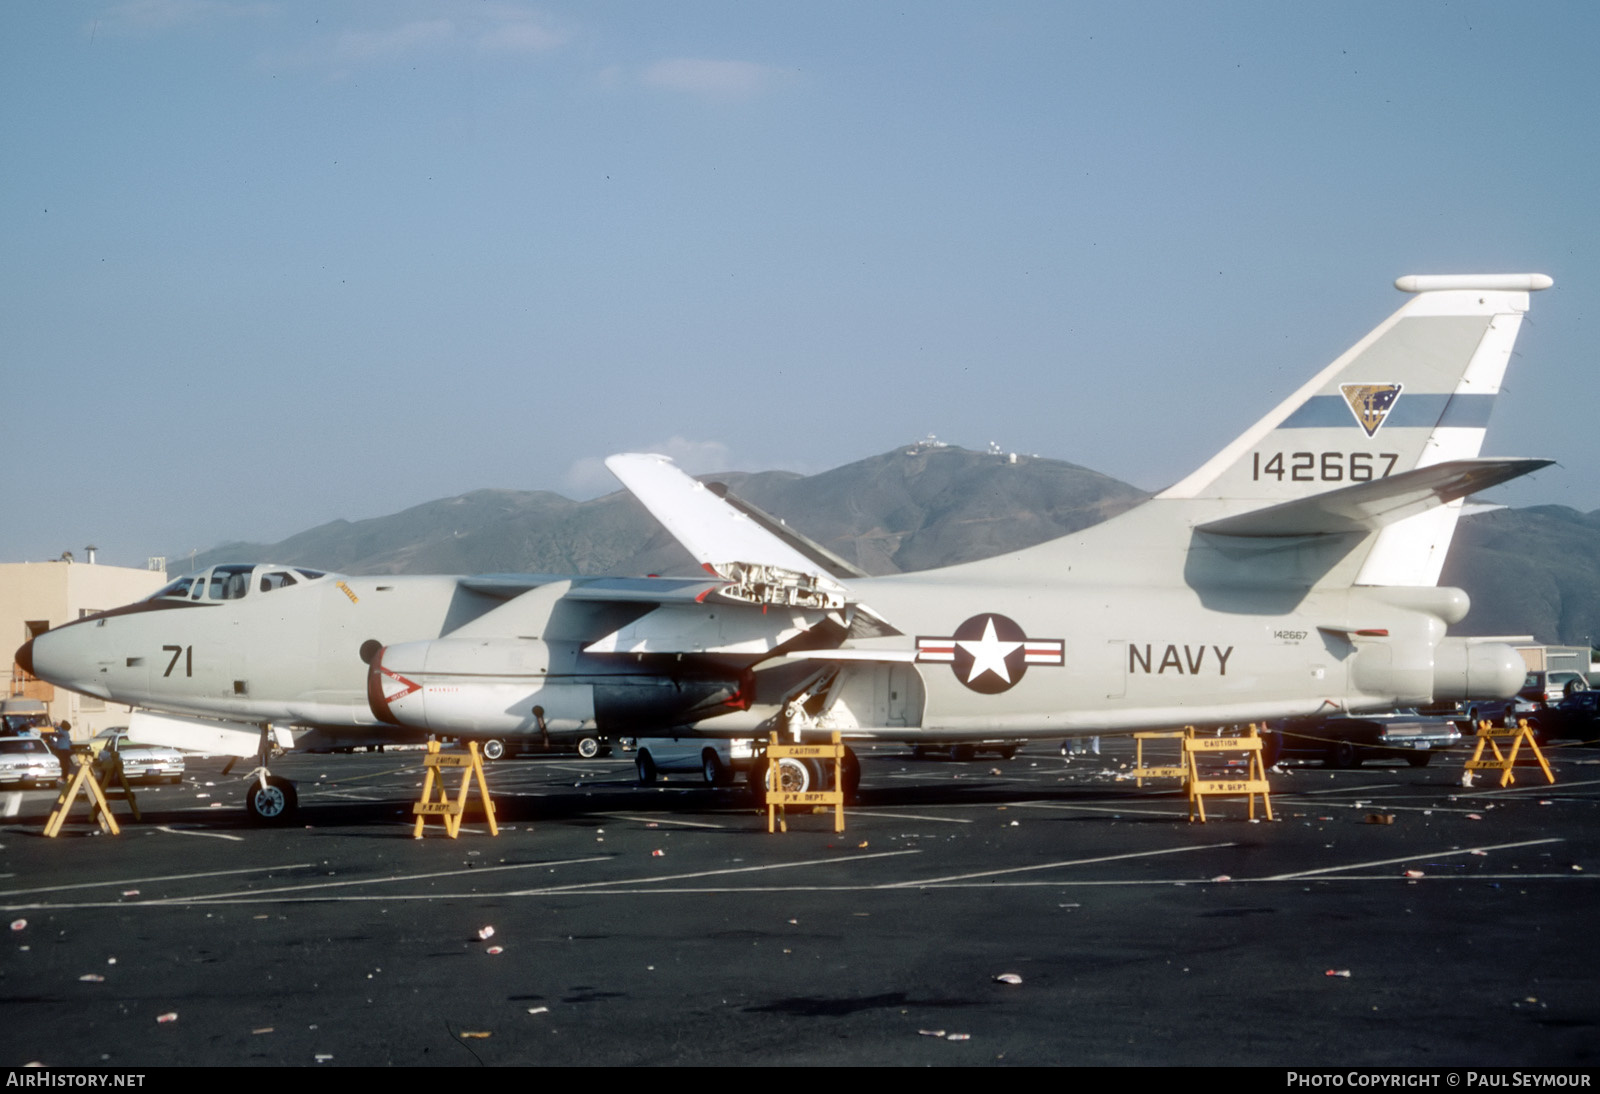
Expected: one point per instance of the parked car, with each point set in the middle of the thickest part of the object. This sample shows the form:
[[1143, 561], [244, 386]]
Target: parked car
[[139, 761], [1495, 711], [587, 747], [1348, 740], [1549, 687], [1577, 716], [25, 760], [1500, 712]]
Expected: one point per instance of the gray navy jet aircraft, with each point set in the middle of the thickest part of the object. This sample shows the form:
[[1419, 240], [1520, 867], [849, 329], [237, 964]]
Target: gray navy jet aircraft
[[1294, 573]]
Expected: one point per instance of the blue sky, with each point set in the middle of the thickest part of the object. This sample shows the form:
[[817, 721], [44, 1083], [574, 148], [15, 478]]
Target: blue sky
[[268, 264]]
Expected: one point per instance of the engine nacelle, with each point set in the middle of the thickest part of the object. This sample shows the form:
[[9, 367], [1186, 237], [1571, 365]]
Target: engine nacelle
[[475, 686], [524, 686], [1476, 670]]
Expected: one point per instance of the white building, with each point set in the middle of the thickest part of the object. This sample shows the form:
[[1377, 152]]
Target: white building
[[35, 596]]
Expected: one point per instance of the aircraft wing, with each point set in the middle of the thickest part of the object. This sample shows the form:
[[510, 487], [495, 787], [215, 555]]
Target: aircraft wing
[[648, 590], [813, 550], [770, 587], [713, 531], [1368, 506]]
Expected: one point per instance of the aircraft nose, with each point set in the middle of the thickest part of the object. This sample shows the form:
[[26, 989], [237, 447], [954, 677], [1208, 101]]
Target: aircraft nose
[[47, 657]]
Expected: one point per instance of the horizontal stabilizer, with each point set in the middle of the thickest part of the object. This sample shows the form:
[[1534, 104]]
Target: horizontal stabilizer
[[1368, 506]]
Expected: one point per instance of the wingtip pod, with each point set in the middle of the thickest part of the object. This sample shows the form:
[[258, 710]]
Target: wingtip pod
[[1524, 282]]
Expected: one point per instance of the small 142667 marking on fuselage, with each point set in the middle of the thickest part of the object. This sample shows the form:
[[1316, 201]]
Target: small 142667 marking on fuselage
[[1185, 660]]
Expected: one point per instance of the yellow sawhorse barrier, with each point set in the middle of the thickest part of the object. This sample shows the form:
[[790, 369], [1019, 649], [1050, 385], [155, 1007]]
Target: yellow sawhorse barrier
[[445, 809], [778, 799], [1141, 772], [83, 780], [1503, 762], [1254, 783]]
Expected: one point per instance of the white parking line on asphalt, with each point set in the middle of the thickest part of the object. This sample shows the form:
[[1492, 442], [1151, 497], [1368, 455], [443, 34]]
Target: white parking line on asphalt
[[905, 816], [1418, 857], [186, 832], [1117, 809], [476, 871], [928, 882], [830, 861], [1539, 787], [1283, 800], [310, 892], [661, 818], [148, 880]]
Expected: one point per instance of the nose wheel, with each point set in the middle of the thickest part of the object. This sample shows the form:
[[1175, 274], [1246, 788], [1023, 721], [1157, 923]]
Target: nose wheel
[[271, 800]]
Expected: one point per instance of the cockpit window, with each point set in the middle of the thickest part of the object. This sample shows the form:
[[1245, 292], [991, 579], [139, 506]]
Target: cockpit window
[[177, 590], [277, 579], [229, 582], [233, 581]]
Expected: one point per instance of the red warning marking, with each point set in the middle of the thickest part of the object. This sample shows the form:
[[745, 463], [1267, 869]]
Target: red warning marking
[[410, 686]]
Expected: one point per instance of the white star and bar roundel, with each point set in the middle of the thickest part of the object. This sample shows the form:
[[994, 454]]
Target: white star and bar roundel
[[989, 653]]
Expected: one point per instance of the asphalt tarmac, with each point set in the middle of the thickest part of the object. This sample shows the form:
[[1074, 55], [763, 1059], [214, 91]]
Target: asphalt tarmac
[[665, 926]]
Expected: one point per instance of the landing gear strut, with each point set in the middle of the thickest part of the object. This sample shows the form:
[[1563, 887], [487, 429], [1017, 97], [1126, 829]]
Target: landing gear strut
[[270, 799]]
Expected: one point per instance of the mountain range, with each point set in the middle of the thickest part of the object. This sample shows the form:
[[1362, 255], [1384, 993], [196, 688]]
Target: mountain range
[[1528, 571]]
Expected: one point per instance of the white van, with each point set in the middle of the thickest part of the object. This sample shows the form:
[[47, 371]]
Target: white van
[[720, 762], [717, 760]]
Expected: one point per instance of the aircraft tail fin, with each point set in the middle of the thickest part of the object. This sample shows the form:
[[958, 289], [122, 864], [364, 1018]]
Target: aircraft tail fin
[[1414, 393]]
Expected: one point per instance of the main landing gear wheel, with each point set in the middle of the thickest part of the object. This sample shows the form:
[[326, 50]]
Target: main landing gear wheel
[[274, 803], [794, 776], [647, 769]]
